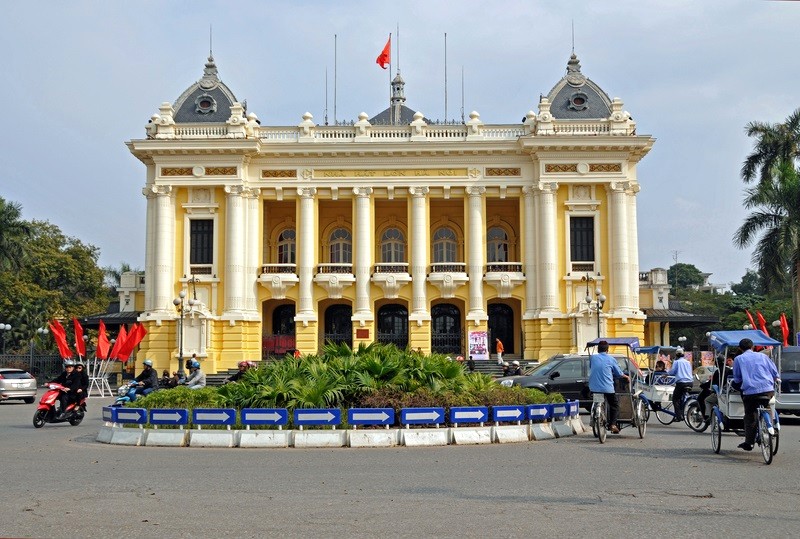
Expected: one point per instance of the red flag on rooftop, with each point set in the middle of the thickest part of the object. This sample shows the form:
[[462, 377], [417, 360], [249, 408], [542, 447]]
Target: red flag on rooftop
[[60, 336], [102, 342], [80, 345], [385, 57], [750, 317], [121, 336]]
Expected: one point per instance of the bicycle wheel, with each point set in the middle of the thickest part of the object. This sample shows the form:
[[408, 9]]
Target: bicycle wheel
[[694, 417], [641, 419], [664, 414], [765, 438], [602, 428], [593, 420], [716, 433]]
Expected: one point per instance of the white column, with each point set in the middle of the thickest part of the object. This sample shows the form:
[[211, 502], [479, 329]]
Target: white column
[[234, 250], [529, 263], [149, 248], [548, 262], [420, 247], [477, 253], [307, 243], [361, 254], [163, 269], [252, 261], [619, 247], [633, 242]]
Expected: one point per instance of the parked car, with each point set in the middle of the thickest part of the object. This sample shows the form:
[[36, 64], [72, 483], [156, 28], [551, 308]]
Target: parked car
[[788, 399], [567, 374], [17, 384]]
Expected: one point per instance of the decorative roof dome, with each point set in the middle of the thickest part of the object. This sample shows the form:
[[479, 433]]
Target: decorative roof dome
[[207, 100], [576, 97]]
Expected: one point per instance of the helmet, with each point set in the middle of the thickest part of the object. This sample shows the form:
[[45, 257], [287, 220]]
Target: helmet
[[244, 364], [251, 363], [148, 362], [505, 364], [515, 363], [69, 363], [195, 364], [79, 364]]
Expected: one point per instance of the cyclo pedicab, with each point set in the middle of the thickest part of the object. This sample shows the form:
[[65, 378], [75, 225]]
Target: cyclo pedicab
[[632, 412], [728, 414], [657, 389]]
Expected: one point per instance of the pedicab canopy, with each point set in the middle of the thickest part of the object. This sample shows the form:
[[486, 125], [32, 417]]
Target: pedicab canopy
[[722, 339], [630, 342]]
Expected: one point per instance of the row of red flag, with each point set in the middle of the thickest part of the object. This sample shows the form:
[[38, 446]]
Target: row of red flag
[[122, 349], [763, 325]]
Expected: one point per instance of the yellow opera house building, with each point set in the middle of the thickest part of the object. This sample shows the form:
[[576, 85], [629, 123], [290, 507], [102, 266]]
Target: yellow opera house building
[[440, 237]]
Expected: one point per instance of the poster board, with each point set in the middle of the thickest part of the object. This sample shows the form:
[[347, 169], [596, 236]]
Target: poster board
[[479, 345]]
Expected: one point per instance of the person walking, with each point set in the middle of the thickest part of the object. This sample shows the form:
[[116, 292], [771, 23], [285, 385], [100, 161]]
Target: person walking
[[757, 375], [682, 371], [603, 369], [498, 344], [471, 364]]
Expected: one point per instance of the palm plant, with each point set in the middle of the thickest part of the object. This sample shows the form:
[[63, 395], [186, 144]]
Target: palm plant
[[14, 232]]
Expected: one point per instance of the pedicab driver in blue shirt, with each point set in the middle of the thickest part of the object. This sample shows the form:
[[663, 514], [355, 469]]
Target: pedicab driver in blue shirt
[[682, 371], [757, 375], [603, 369]]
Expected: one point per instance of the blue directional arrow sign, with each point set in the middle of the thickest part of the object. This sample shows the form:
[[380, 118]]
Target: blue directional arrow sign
[[265, 416], [108, 413], [169, 416], [129, 415], [559, 410], [469, 414], [538, 412], [214, 416], [421, 416], [370, 416], [508, 413], [318, 416]]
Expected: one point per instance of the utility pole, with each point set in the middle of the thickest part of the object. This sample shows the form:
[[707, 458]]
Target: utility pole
[[675, 258]]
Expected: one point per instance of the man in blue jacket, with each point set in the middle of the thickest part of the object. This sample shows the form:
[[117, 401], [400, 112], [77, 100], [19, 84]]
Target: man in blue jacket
[[682, 371], [603, 369], [757, 375]]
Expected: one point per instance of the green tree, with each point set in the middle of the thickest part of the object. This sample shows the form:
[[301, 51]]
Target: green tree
[[750, 284], [14, 232], [775, 145], [113, 275], [684, 275]]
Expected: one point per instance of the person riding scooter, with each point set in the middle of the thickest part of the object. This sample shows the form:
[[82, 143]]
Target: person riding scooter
[[145, 383], [197, 378], [72, 381]]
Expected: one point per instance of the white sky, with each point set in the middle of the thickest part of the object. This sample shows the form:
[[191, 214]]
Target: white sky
[[81, 78]]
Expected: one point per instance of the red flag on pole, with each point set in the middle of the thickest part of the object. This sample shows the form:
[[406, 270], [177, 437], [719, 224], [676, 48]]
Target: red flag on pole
[[785, 329], [80, 345], [750, 317], [60, 336], [134, 337], [385, 57], [102, 342], [763, 323], [121, 336]]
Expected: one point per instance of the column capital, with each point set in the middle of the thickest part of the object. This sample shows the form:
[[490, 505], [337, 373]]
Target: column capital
[[306, 192], [362, 192], [251, 192], [418, 192], [157, 190], [529, 190], [476, 191], [547, 187], [235, 190], [619, 186]]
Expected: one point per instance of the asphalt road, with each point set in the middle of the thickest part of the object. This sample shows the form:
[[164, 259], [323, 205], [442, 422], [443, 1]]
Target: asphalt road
[[58, 482]]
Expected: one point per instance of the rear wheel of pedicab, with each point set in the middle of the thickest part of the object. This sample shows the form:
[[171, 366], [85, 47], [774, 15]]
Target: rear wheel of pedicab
[[767, 443], [602, 429], [694, 417], [641, 417], [664, 414], [716, 433], [593, 420]]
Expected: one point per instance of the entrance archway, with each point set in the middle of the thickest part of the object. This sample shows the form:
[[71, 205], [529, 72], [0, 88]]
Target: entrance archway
[[501, 326], [446, 334]]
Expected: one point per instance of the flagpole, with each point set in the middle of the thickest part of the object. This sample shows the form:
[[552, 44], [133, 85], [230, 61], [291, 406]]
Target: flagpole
[[334, 77], [391, 108], [445, 77], [462, 94]]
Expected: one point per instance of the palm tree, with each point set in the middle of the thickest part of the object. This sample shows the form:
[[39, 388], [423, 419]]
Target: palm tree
[[14, 232], [774, 225], [775, 144]]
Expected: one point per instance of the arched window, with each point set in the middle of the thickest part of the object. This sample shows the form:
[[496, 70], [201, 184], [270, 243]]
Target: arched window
[[393, 246], [341, 247], [444, 245], [287, 246], [497, 245]]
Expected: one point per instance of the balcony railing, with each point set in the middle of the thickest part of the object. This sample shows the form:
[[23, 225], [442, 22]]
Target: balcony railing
[[504, 266], [279, 268], [335, 268], [201, 269], [449, 267], [394, 267]]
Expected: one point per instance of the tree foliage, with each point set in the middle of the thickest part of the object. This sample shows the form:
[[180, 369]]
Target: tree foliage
[[687, 275]]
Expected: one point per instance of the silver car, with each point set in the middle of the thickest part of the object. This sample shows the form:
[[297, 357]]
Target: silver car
[[17, 384]]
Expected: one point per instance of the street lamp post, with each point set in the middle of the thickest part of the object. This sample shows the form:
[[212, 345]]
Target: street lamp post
[[5, 328], [596, 304], [180, 305], [682, 342], [777, 325]]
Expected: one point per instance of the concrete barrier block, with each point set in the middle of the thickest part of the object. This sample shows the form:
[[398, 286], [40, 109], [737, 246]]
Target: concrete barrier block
[[320, 438], [471, 435], [504, 434], [374, 438], [542, 431], [104, 434], [562, 428], [122, 436], [263, 438], [577, 425], [211, 438], [166, 438], [424, 437]]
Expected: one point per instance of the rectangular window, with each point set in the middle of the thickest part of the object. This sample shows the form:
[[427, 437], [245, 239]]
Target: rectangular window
[[201, 241], [581, 239]]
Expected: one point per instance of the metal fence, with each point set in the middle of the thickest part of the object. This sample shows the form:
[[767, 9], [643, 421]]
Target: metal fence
[[43, 367], [447, 343]]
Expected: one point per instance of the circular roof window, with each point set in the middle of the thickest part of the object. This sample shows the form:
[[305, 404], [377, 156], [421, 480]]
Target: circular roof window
[[579, 101], [205, 104]]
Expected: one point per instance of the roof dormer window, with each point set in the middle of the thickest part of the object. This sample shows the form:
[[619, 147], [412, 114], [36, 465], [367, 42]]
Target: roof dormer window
[[205, 104], [578, 101]]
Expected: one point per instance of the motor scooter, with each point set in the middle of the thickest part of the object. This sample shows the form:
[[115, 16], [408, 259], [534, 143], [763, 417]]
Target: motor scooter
[[46, 411]]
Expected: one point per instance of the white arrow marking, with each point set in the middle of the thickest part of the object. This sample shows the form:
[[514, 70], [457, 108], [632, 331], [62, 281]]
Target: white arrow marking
[[383, 416], [129, 415], [107, 415], [422, 415], [477, 414], [508, 413], [559, 410], [269, 416], [538, 411], [311, 416], [163, 416], [213, 415]]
